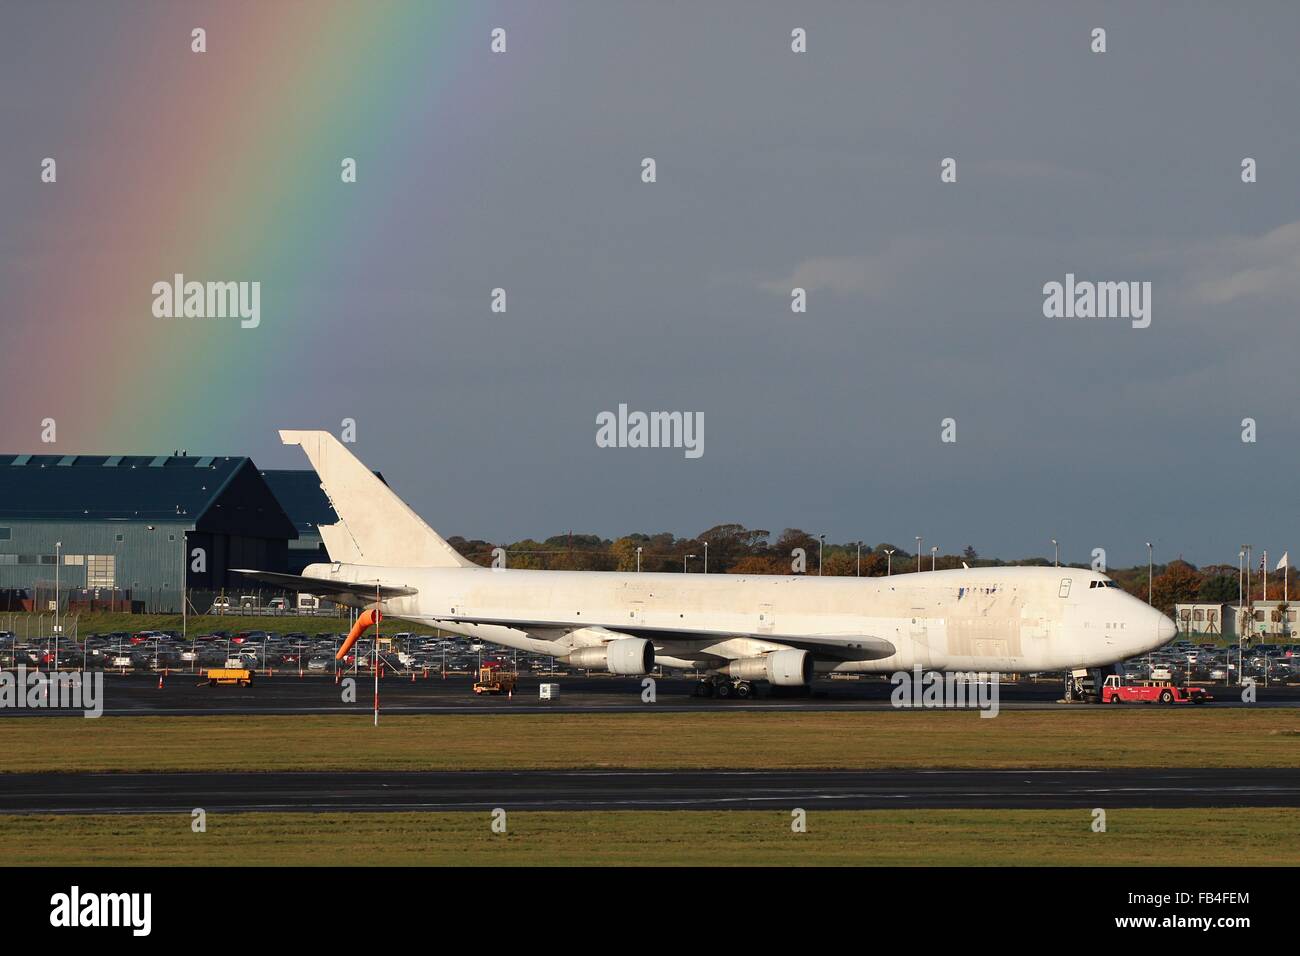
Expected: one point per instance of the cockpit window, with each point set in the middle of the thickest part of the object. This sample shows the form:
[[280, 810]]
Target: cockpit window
[[1102, 584]]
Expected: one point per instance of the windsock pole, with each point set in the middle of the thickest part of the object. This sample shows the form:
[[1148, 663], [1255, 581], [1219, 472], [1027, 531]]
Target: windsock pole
[[365, 620]]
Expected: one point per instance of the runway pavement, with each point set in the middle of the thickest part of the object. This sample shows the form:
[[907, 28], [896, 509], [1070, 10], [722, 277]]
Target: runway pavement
[[184, 694], [645, 790]]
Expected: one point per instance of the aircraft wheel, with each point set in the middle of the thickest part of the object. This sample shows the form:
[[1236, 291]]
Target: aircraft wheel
[[723, 690], [744, 690]]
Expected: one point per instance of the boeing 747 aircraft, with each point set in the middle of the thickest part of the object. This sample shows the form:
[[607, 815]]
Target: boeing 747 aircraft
[[737, 629]]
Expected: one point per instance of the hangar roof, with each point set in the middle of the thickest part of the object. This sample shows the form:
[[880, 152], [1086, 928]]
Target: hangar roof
[[300, 494], [301, 497], [221, 494]]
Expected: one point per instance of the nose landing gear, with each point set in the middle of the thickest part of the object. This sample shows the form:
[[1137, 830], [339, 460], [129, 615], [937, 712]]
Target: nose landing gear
[[1082, 687]]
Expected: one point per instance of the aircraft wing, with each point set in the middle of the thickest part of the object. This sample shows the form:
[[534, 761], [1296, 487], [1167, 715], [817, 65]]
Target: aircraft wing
[[327, 588], [844, 647]]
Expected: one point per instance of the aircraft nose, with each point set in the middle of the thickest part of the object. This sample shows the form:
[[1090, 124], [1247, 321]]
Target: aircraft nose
[[1166, 629]]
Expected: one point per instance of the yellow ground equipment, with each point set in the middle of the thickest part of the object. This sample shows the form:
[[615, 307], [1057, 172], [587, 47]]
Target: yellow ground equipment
[[230, 675], [494, 679]]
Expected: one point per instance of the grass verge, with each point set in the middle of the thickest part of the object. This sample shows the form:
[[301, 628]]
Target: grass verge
[[617, 838], [1093, 737]]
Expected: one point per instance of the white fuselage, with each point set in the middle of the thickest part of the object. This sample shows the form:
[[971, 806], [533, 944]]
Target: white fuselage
[[1009, 619]]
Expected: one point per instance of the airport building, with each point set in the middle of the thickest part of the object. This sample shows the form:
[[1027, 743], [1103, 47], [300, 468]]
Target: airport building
[[304, 501], [1273, 619], [1261, 620], [122, 532], [1209, 620]]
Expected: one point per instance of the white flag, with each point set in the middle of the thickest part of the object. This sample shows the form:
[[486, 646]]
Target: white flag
[[1283, 562]]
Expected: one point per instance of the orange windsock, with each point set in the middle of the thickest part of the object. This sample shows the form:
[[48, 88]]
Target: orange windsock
[[367, 618]]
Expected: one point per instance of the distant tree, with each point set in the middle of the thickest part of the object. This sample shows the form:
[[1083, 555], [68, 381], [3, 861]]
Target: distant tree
[[729, 543], [1180, 583], [757, 564], [874, 563], [526, 554], [969, 553], [840, 564], [792, 538], [899, 553], [625, 553], [1218, 589], [478, 551]]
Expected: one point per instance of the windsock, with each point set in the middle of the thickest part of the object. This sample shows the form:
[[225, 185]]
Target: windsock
[[367, 618]]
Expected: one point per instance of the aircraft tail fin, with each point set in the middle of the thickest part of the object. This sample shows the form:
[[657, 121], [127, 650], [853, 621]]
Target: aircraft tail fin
[[375, 526]]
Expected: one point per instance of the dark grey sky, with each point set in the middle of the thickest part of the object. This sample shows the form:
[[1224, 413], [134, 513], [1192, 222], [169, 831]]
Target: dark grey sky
[[818, 169]]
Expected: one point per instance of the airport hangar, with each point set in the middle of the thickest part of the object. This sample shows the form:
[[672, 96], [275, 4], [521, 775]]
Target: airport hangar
[[123, 528]]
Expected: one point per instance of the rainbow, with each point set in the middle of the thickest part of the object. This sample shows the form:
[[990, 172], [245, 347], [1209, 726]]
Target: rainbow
[[224, 166]]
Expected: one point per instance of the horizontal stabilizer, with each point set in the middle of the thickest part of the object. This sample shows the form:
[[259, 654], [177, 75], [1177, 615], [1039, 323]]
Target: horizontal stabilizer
[[324, 587]]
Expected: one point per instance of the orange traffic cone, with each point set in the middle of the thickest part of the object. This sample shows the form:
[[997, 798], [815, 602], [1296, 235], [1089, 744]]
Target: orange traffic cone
[[160, 680]]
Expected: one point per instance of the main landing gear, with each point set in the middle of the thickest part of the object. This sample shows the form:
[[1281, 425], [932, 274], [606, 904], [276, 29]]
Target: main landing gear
[[724, 688]]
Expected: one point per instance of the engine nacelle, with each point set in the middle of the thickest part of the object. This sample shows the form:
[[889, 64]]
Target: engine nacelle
[[627, 655], [781, 668]]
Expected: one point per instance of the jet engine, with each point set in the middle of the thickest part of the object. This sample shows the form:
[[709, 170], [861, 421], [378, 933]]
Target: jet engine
[[781, 668], [627, 655]]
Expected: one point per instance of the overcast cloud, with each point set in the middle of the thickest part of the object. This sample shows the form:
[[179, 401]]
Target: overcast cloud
[[818, 170]]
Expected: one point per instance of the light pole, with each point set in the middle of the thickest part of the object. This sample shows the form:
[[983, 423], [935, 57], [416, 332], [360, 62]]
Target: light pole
[[821, 547], [58, 558], [889, 562], [1248, 556], [1056, 561], [1241, 599], [706, 557], [934, 552], [918, 552], [685, 558], [859, 559], [638, 560]]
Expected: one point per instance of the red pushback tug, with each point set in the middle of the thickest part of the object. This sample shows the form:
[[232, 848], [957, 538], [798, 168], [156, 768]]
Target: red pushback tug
[[1115, 691]]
